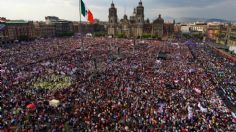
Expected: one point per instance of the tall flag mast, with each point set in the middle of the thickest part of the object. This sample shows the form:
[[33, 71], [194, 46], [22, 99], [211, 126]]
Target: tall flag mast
[[80, 11], [86, 12]]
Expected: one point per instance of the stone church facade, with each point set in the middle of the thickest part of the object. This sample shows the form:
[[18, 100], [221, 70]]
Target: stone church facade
[[135, 26]]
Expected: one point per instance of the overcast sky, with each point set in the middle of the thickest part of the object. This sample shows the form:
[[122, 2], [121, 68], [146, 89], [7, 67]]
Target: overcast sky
[[69, 9]]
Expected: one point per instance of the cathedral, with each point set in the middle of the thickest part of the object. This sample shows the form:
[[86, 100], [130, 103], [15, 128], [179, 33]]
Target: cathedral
[[136, 25]]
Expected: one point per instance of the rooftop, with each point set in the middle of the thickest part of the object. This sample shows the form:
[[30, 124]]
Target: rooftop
[[16, 21]]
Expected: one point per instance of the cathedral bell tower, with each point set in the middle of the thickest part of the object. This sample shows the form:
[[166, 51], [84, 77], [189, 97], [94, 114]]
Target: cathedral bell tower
[[140, 19], [113, 20]]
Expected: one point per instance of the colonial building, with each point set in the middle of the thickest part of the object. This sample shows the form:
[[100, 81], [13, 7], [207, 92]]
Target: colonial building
[[158, 27], [231, 38], [222, 33], [197, 27], [94, 28], [200, 27], [213, 30], [2, 33], [62, 27], [19, 30], [147, 27], [76, 27], [113, 21], [11, 30], [43, 30], [169, 29], [136, 25]]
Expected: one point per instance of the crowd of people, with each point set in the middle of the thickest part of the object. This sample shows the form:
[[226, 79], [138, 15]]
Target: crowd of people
[[223, 73], [116, 85]]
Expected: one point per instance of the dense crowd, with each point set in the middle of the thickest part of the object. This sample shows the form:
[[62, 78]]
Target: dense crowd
[[117, 85]]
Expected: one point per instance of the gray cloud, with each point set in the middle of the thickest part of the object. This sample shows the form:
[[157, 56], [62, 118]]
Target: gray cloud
[[69, 9]]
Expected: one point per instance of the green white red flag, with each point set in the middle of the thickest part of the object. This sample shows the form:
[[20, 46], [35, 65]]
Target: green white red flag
[[86, 12]]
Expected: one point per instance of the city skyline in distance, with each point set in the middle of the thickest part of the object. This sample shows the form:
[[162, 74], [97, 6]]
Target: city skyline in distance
[[69, 9]]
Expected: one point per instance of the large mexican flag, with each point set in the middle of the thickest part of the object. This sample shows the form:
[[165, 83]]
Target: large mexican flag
[[86, 12]]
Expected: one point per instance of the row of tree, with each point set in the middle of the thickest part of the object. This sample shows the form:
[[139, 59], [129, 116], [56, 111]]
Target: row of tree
[[144, 36]]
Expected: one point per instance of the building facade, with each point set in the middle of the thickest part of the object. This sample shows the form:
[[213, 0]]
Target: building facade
[[222, 33], [213, 30], [12, 30], [43, 30], [169, 29], [112, 21], [2, 33], [158, 27], [19, 30], [62, 27], [200, 27], [136, 26], [231, 35]]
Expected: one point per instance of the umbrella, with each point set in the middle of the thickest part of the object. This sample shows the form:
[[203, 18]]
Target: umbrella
[[54, 103], [31, 106]]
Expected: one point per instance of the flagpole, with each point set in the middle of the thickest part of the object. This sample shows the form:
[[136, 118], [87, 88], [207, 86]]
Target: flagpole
[[80, 23], [80, 10]]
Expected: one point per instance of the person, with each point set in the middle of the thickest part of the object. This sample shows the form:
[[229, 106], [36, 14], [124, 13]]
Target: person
[[129, 94]]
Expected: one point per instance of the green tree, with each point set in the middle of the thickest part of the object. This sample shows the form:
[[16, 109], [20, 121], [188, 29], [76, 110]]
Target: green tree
[[65, 34], [23, 38], [99, 34], [121, 35], [146, 36]]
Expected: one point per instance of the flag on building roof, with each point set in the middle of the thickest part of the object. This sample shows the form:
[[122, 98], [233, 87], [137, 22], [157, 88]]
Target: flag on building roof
[[86, 12]]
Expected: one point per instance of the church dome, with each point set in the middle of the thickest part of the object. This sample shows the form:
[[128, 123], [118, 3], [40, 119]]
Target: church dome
[[159, 20]]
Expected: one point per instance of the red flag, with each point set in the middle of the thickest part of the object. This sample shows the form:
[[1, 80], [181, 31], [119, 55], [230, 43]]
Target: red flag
[[90, 17]]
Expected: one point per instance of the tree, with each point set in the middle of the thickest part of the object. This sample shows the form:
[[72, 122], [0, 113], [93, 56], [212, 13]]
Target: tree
[[121, 35], [198, 36], [146, 36], [65, 34], [23, 38], [186, 35], [99, 34]]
